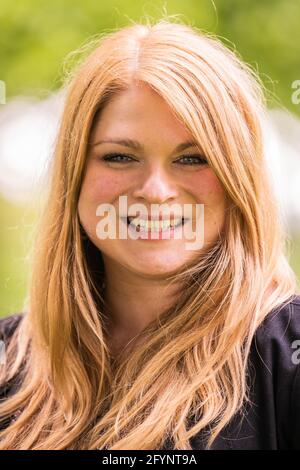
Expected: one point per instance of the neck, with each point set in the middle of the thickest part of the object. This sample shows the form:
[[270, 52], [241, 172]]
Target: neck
[[133, 301]]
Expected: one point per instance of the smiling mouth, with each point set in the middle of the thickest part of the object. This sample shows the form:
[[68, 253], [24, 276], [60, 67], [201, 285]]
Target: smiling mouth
[[142, 225]]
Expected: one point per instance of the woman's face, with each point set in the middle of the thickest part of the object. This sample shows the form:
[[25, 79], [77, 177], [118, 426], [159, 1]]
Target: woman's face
[[155, 172]]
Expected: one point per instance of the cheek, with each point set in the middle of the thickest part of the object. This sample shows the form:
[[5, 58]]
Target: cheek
[[98, 187], [206, 188], [102, 187]]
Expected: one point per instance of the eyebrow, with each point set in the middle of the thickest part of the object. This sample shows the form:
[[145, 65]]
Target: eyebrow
[[134, 144]]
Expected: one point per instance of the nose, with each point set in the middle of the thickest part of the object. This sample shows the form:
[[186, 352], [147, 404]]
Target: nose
[[156, 186]]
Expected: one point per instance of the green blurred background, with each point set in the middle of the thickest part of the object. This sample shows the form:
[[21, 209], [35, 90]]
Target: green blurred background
[[36, 36]]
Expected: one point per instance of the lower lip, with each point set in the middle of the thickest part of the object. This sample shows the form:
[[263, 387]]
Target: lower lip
[[153, 235]]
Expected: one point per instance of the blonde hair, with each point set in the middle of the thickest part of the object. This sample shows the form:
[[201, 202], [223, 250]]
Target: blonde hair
[[189, 374]]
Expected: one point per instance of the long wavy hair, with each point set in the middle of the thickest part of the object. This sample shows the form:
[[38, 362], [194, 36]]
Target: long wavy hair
[[189, 373]]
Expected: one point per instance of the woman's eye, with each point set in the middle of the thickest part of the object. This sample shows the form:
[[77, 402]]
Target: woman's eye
[[185, 160], [117, 158], [192, 160]]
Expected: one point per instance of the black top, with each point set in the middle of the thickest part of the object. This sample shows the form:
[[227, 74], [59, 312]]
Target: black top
[[271, 420]]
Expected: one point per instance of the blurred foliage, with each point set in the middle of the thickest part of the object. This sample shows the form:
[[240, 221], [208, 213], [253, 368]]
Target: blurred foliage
[[36, 36], [294, 256], [17, 224]]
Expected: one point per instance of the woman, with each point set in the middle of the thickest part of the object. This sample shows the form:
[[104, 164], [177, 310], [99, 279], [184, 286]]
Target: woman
[[142, 342]]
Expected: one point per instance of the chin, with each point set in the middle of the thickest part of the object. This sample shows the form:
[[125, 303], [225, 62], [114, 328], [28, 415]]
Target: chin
[[160, 268]]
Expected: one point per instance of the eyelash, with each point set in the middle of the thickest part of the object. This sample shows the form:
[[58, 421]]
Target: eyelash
[[109, 157]]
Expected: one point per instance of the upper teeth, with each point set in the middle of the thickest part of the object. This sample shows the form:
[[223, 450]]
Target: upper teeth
[[154, 224]]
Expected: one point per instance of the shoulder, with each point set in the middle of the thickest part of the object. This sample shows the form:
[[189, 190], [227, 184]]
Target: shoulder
[[9, 324], [275, 367], [278, 337]]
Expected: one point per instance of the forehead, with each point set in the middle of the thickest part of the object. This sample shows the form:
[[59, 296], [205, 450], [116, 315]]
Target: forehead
[[139, 110]]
